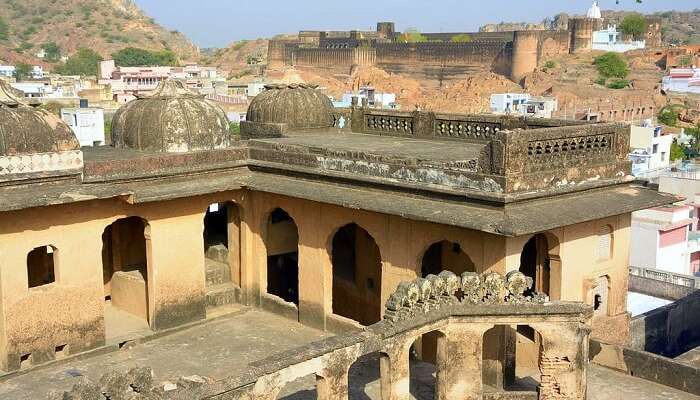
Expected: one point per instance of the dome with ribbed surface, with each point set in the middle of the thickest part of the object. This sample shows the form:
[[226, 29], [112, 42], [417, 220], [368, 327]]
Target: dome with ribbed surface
[[28, 130], [171, 119], [300, 106]]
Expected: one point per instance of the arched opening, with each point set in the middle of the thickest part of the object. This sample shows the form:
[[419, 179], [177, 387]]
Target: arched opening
[[282, 242], [424, 376], [446, 256], [364, 377], [357, 275], [125, 273], [538, 261], [599, 298], [41, 266], [441, 256], [222, 254], [510, 360], [535, 263]]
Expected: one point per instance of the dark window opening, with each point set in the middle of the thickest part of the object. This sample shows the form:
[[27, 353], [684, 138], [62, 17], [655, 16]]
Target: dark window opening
[[597, 302], [40, 266], [357, 275], [283, 257]]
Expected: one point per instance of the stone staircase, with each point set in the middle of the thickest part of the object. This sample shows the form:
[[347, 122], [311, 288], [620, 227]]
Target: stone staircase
[[220, 290]]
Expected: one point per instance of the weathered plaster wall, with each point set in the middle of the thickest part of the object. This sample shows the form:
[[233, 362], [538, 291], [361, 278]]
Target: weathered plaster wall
[[71, 310], [574, 270]]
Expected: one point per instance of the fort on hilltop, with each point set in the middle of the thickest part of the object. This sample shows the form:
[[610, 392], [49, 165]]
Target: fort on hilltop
[[441, 56]]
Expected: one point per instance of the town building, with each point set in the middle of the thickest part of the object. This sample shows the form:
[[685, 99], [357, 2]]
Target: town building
[[331, 226], [650, 149], [524, 104], [369, 95], [610, 39], [682, 80], [8, 71], [87, 123], [662, 240], [129, 82], [506, 103]]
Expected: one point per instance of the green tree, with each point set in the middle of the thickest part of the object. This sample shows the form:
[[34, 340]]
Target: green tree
[[461, 38], [83, 63], [22, 71], [668, 116], [412, 35], [234, 128], [677, 151], [612, 65], [135, 57], [52, 51], [634, 24], [4, 30]]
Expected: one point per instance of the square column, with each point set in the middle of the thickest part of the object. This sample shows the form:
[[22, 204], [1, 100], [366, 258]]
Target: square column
[[394, 371], [459, 365]]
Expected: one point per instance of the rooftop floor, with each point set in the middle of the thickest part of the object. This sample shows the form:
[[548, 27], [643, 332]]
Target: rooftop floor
[[387, 146], [225, 346]]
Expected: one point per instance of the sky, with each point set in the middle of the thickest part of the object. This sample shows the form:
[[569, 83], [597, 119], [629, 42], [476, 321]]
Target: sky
[[217, 23]]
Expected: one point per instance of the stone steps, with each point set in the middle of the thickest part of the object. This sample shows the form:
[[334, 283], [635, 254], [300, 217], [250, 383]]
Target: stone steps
[[223, 294]]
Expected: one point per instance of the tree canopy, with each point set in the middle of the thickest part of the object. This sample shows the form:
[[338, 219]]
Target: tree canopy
[[611, 65], [22, 71], [135, 57], [4, 30], [52, 51], [83, 63], [634, 24], [412, 35], [461, 38]]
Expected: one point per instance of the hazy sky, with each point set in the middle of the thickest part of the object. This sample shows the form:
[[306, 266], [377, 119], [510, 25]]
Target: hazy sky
[[216, 23]]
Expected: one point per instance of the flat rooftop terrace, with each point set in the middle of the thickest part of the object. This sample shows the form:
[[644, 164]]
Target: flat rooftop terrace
[[386, 146], [225, 346]]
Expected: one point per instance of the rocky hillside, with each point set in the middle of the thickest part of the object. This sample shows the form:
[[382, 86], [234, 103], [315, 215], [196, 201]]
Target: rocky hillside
[[102, 25], [242, 58], [677, 27], [238, 59]]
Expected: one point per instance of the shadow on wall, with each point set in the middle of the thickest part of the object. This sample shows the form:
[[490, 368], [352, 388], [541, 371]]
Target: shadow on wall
[[670, 330]]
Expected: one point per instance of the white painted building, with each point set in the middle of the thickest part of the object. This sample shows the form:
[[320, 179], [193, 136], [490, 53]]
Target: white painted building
[[611, 40], [369, 94], [37, 89], [254, 89], [660, 239], [539, 107], [524, 104], [506, 103], [650, 149], [594, 12], [88, 124], [682, 80], [7, 71]]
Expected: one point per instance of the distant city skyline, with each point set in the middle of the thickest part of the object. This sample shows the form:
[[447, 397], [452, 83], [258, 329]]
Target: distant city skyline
[[217, 23]]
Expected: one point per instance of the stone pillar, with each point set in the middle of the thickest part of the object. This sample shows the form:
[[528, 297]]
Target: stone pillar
[[459, 373], [333, 386], [498, 365], [563, 360], [394, 372], [315, 270]]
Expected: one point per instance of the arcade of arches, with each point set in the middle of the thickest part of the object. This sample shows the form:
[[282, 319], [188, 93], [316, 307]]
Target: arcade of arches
[[333, 266]]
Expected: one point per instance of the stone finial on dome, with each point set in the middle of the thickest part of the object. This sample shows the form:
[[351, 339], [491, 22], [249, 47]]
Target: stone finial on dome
[[171, 119]]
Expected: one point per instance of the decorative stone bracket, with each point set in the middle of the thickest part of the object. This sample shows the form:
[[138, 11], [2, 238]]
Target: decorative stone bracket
[[435, 291]]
